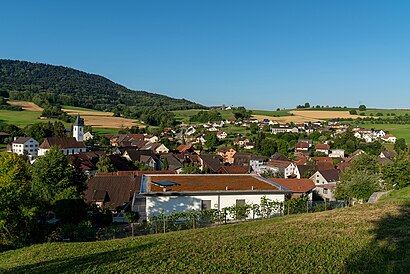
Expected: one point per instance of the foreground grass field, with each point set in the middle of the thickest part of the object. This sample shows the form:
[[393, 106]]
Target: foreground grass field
[[372, 238]]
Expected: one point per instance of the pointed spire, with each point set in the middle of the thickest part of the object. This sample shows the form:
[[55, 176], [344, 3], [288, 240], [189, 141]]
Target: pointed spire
[[78, 121]]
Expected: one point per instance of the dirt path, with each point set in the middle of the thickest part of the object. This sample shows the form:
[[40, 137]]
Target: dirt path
[[26, 105]]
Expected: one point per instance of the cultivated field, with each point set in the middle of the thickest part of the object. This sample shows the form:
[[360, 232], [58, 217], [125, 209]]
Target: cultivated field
[[371, 238], [32, 112], [26, 105]]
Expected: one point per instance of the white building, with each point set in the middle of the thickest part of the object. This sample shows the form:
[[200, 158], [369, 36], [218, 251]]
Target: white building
[[78, 129], [277, 130], [68, 145], [182, 193], [337, 153], [25, 145]]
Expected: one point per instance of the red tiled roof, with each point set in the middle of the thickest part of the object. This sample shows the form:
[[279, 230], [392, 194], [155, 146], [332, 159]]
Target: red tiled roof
[[295, 185], [183, 148], [200, 183], [324, 166]]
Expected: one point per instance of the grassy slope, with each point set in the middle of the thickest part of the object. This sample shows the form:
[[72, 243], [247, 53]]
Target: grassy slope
[[366, 238]]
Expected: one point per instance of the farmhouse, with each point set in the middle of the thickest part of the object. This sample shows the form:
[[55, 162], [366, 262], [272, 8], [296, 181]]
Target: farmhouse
[[277, 130], [179, 193]]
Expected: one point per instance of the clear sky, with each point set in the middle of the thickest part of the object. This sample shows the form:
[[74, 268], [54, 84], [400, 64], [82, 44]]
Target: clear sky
[[260, 54]]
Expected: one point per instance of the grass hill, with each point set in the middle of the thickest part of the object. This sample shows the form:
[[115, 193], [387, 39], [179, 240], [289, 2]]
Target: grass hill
[[371, 238], [42, 83]]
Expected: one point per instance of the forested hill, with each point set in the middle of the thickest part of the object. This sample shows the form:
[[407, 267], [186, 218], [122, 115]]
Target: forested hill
[[48, 84]]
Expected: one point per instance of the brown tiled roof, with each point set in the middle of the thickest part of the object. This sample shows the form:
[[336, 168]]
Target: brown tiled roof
[[213, 162], [278, 163], [232, 170], [62, 142], [120, 190], [136, 172], [331, 175], [183, 148], [324, 166], [302, 145], [203, 183], [295, 185], [322, 159], [279, 156], [4, 134], [21, 140], [322, 146]]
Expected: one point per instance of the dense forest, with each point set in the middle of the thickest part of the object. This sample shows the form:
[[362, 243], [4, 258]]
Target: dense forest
[[57, 85]]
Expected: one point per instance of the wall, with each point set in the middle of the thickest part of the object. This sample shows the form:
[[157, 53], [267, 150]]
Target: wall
[[168, 204]]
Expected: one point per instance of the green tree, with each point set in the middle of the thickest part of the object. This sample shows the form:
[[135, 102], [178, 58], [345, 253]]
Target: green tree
[[307, 105], [165, 164], [362, 108], [104, 164], [358, 185], [268, 147], [191, 169], [397, 174], [400, 145], [54, 177], [141, 166], [17, 205], [211, 140]]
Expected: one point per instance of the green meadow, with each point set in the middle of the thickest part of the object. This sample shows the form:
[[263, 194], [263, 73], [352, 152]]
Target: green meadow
[[369, 238]]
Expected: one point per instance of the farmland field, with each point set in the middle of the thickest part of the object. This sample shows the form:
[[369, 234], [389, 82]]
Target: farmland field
[[94, 118], [370, 238]]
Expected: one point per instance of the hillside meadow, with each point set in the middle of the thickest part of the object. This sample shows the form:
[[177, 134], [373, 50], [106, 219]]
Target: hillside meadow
[[370, 238]]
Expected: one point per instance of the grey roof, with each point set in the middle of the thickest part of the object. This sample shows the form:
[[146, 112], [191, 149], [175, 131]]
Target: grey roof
[[21, 140], [79, 121]]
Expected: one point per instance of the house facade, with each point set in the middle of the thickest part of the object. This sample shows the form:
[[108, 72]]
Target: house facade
[[25, 145]]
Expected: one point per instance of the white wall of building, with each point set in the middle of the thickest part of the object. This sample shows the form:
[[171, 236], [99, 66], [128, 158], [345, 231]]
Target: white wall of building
[[169, 204]]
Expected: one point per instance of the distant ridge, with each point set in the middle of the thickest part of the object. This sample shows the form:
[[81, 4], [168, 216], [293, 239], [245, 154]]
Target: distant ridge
[[46, 84]]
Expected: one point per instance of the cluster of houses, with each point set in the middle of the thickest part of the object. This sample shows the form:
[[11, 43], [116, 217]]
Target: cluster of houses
[[232, 177]]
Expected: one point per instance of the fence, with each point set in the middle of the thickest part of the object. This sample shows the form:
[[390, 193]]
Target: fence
[[162, 223]]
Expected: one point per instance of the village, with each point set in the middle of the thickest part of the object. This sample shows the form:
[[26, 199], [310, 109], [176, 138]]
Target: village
[[195, 167]]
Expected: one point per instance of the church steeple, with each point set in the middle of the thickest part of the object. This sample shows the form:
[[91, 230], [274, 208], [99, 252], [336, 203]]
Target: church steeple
[[78, 129]]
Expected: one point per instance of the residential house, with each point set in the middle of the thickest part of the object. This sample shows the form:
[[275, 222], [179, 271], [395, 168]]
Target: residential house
[[389, 138], [337, 153], [3, 136], [25, 146], [322, 148], [256, 162], [185, 149], [325, 181], [88, 136], [221, 135], [68, 145], [279, 156], [86, 161], [379, 133], [147, 157], [302, 148], [173, 162], [157, 148], [277, 130], [389, 154], [241, 141], [227, 154], [243, 159], [299, 187], [182, 193], [190, 131], [279, 167], [210, 162], [113, 192]]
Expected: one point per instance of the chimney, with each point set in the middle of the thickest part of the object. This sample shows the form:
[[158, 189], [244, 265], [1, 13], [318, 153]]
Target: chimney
[[252, 187], [164, 189], [226, 188]]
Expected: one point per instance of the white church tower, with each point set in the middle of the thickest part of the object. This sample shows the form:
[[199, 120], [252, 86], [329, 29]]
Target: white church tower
[[78, 129]]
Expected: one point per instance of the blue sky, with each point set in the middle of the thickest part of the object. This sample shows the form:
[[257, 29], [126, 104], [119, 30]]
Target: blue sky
[[260, 54]]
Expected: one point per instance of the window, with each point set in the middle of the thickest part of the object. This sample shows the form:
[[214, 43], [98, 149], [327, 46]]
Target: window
[[206, 204], [317, 181], [325, 191], [240, 202]]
